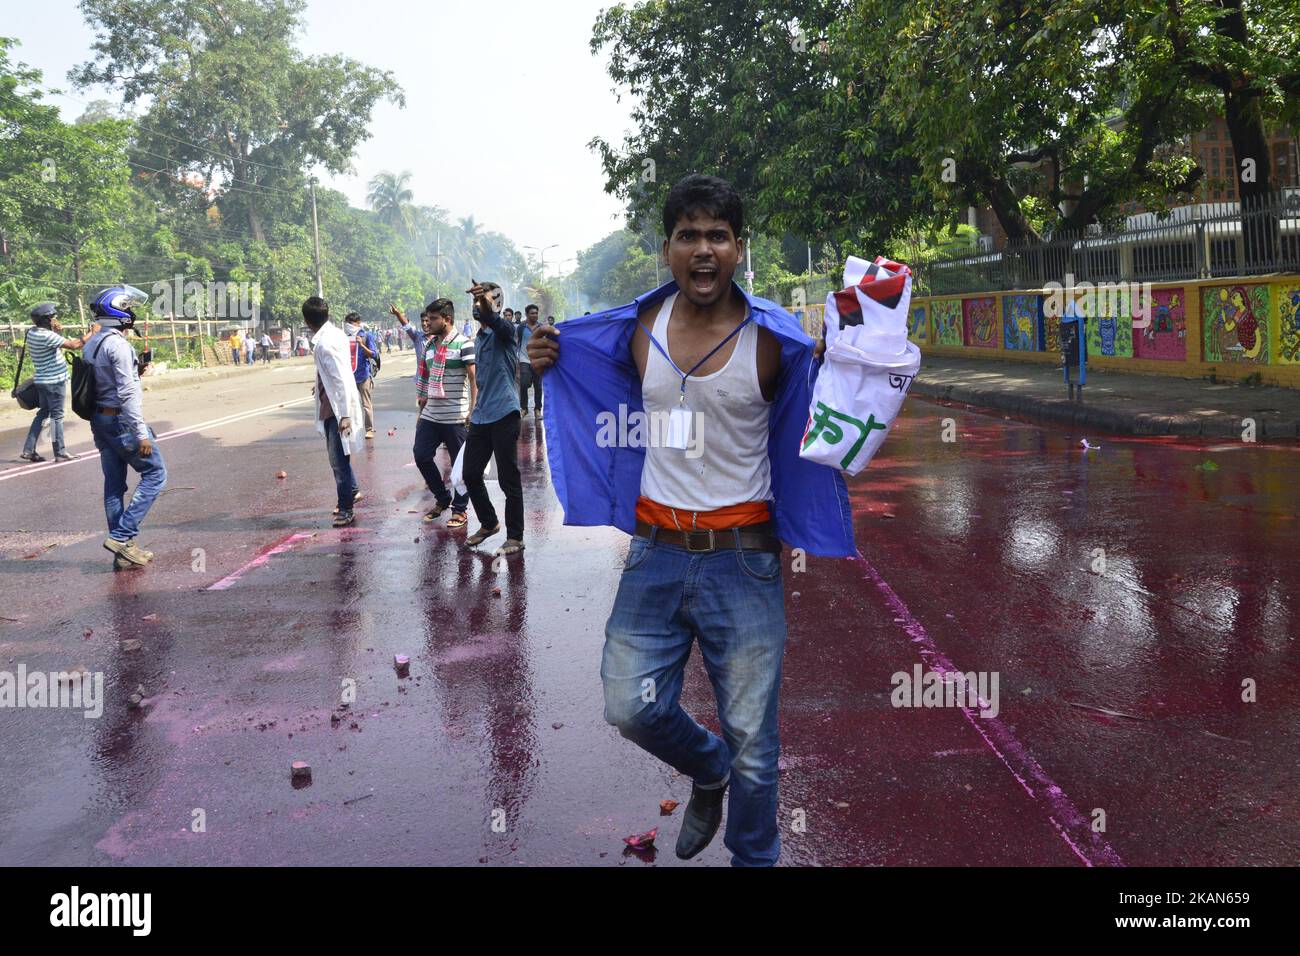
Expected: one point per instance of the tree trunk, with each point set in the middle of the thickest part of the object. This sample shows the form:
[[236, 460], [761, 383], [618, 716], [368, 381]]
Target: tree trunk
[[1243, 111], [254, 221], [1006, 206], [1259, 227]]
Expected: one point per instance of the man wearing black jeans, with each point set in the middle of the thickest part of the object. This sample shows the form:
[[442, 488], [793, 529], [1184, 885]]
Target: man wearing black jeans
[[494, 423], [446, 387], [526, 377]]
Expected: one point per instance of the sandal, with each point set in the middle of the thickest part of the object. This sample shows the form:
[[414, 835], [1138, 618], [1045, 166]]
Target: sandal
[[511, 546], [357, 496], [433, 513], [458, 520], [482, 534]]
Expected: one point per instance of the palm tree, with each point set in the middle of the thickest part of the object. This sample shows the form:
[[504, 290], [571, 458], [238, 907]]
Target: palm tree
[[471, 246], [391, 198]]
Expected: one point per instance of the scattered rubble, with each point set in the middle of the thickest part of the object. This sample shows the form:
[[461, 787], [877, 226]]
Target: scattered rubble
[[639, 841]]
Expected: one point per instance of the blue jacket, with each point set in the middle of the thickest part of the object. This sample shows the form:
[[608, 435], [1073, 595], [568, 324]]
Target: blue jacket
[[599, 486]]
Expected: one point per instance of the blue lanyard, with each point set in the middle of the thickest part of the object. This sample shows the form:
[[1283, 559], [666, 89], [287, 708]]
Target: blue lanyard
[[664, 352]]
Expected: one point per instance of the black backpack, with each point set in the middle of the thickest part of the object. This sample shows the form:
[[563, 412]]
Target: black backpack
[[83, 384]]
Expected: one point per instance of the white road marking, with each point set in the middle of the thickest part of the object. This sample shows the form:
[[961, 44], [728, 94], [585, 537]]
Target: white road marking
[[174, 433]]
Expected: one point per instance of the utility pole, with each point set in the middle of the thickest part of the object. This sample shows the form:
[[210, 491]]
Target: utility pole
[[315, 234]]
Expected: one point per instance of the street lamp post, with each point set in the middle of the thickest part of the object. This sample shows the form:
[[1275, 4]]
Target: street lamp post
[[542, 255], [567, 280]]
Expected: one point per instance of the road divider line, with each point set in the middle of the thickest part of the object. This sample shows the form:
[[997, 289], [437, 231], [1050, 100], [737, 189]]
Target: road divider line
[[165, 436], [284, 544], [1071, 825], [231, 419]]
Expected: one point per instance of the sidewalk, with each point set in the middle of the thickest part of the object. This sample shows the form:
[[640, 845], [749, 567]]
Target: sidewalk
[[1114, 402], [14, 417]]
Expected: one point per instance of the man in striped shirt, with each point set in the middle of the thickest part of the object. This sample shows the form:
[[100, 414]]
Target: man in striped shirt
[[45, 345], [446, 387]]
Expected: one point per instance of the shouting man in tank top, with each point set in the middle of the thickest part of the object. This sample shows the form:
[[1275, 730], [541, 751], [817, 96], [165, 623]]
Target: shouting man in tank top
[[709, 495]]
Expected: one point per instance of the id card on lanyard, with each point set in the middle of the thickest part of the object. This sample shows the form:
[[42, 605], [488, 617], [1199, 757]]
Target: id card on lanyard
[[679, 418]]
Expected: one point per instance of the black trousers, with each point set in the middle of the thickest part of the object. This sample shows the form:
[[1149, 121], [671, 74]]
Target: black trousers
[[528, 378], [500, 439], [428, 436]]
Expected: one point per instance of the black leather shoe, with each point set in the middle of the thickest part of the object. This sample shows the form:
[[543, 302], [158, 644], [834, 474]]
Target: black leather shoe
[[701, 820]]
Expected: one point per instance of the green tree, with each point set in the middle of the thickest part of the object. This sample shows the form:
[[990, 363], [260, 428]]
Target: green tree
[[66, 196], [859, 121], [230, 97], [749, 90], [597, 261]]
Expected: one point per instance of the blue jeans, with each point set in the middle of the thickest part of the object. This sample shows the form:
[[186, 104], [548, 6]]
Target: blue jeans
[[344, 481], [733, 604], [119, 449], [51, 407]]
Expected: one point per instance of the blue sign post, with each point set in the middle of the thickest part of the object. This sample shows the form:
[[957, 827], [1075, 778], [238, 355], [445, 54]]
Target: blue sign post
[[1074, 350]]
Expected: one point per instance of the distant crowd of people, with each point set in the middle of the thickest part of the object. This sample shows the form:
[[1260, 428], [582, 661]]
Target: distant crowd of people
[[472, 388], [248, 345]]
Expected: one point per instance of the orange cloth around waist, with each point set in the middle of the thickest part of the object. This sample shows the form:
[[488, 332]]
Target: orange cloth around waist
[[732, 516]]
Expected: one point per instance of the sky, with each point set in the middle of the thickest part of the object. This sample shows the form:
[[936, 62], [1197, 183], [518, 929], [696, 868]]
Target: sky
[[519, 66]]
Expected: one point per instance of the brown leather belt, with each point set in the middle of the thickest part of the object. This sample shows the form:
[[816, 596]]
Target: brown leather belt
[[102, 410], [754, 537]]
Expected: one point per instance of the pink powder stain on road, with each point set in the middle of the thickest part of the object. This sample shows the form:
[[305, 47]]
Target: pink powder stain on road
[[284, 544], [1071, 825]]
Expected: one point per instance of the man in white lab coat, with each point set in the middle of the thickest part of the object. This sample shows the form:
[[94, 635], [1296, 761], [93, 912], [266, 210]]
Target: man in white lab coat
[[338, 404]]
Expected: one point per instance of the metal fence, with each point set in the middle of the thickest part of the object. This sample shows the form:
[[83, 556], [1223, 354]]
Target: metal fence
[[1203, 241]]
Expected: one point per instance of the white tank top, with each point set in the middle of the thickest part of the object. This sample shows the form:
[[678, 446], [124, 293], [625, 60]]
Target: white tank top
[[725, 462]]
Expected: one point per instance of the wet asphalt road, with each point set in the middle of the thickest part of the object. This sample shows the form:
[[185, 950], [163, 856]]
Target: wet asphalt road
[[1119, 692]]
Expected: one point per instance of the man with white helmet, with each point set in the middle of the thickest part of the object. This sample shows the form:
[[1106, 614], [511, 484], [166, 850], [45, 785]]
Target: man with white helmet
[[121, 435]]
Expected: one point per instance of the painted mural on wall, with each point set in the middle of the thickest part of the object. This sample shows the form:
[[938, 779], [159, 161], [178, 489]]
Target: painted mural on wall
[[1166, 337], [1109, 323], [946, 316], [1020, 315], [918, 329], [980, 324], [1286, 299], [1051, 333], [1234, 319]]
